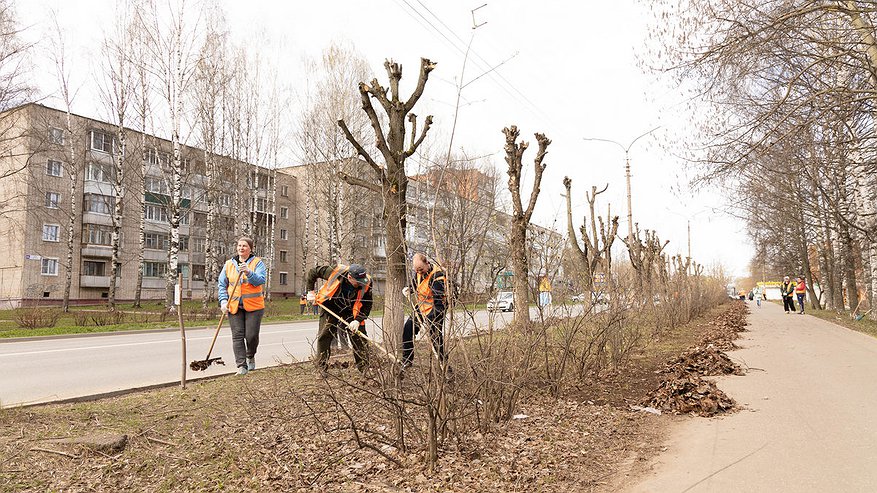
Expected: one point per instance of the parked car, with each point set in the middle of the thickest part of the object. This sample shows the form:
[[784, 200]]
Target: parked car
[[579, 298], [504, 301]]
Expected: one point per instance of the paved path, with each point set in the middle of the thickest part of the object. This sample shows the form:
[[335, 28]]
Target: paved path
[[51, 369], [809, 422]]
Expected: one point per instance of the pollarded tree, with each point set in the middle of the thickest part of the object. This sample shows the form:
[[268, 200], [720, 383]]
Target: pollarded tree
[[391, 176], [520, 216]]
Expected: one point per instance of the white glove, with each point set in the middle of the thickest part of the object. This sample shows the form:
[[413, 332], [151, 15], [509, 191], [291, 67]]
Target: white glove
[[224, 306], [406, 291], [354, 326]]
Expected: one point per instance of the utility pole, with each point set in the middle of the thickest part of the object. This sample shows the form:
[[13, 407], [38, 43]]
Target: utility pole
[[626, 176]]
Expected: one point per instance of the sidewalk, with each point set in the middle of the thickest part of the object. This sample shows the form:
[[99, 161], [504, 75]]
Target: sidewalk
[[808, 420]]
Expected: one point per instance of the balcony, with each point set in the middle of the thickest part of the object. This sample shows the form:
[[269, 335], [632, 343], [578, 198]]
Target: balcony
[[95, 281], [99, 251]]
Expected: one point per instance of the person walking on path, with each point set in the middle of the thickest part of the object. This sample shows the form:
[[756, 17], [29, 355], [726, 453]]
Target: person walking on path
[[347, 293], [244, 302], [430, 306], [788, 292], [801, 292], [756, 293]]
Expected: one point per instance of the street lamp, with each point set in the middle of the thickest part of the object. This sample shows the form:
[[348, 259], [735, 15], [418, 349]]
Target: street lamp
[[688, 218], [626, 174]]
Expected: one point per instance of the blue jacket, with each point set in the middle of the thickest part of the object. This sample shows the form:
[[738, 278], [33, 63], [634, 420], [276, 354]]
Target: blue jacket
[[257, 278]]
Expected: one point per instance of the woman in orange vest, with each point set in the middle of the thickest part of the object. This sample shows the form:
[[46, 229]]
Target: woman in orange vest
[[242, 299], [800, 292]]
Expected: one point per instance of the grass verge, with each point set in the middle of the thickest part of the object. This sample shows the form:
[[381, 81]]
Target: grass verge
[[865, 326]]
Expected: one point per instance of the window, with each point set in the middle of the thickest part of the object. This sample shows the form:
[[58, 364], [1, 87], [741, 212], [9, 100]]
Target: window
[[100, 172], [53, 168], [94, 268], [259, 205], [184, 218], [154, 269], [283, 278], [284, 191], [97, 234], [199, 245], [225, 200], [155, 185], [158, 158], [155, 241], [283, 255], [184, 243], [51, 232], [56, 135], [200, 220], [153, 212], [101, 141], [49, 266], [53, 199], [282, 234], [197, 272], [284, 212], [100, 204]]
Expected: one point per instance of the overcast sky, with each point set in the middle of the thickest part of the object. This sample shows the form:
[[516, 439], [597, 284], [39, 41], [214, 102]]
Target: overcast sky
[[570, 71]]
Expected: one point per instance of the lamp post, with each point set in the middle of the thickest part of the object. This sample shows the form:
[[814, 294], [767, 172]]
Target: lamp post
[[626, 174], [688, 218]]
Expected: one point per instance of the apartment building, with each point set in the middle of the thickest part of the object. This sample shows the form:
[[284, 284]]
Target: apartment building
[[45, 179]]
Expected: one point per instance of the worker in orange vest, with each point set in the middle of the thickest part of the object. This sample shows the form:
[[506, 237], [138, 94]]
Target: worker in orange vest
[[347, 292], [241, 298], [801, 292], [430, 306]]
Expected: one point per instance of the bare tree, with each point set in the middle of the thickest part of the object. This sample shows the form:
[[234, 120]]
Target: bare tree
[[392, 176], [521, 216]]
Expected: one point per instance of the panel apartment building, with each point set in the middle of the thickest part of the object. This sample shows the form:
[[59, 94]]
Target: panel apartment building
[[35, 205]]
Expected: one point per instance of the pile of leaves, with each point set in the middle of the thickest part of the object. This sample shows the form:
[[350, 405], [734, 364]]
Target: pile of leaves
[[705, 361], [726, 328], [690, 394]]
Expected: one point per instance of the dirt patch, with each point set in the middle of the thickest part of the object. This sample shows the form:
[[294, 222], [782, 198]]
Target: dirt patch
[[277, 430]]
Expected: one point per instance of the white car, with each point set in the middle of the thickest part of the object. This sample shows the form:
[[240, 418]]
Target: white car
[[504, 301]]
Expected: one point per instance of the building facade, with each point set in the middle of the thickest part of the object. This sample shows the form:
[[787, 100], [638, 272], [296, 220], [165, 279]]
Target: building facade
[[47, 180]]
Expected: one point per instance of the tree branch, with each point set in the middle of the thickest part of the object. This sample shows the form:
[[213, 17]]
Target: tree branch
[[359, 149], [426, 67], [350, 180], [539, 167], [416, 144]]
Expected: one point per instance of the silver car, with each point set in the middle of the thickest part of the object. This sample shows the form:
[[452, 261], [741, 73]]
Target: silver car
[[504, 301]]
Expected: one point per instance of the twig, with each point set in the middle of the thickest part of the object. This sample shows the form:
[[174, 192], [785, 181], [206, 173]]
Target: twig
[[49, 451], [156, 440]]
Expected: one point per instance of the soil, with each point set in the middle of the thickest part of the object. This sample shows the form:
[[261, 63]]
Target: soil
[[286, 429]]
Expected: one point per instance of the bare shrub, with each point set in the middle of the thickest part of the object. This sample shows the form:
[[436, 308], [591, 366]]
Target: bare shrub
[[37, 317]]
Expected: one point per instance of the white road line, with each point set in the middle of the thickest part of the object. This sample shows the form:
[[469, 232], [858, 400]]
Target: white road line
[[174, 341]]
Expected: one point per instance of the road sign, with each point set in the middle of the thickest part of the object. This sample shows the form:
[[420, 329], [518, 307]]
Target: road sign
[[33, 257]]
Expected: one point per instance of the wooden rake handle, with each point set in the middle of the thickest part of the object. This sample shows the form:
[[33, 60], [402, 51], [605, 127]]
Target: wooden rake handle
[[360, 334]]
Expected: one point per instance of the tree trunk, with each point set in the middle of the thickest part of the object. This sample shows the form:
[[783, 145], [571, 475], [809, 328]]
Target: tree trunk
[[518, 254]]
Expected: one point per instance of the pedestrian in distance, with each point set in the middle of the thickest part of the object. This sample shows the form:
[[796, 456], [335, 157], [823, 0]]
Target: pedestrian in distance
[[756, 293], [242, 299], [312, 306], [788, 292], [347, 293], [429, 308], [801, 292], [302, 304]]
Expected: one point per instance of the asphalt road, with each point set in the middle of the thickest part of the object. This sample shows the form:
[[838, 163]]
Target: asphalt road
[[809, 418], [51, 369]]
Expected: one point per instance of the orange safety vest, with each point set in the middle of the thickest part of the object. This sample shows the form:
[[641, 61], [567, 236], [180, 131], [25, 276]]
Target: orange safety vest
[[328, 290], [252, 295], [801, 288], [302, 301], [425, 296]]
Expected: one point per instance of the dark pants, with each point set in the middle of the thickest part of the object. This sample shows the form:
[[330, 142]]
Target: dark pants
[[436, 335], [329, 327], [245, 334], [342, 339], [301, 309], [801, 301], [788, 303]]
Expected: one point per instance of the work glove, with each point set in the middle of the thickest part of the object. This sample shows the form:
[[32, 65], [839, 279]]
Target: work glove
[[406, 291], [354, 326], [224, 306]]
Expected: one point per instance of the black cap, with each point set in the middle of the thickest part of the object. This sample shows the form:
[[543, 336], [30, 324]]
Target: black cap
[[357, 272]]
